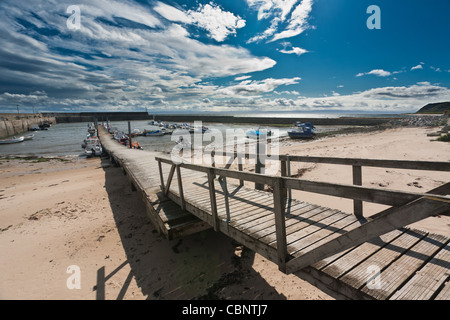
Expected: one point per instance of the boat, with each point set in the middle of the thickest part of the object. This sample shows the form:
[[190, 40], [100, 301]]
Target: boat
[[12, 140], [136, 145], [154, 133], [93, 147], [28, 137], [302, 130], [258, 132]]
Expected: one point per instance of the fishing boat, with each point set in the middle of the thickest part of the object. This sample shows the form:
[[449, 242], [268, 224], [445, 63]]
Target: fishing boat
[[93, 147], [154, 133], [12, 140], [302, 131]]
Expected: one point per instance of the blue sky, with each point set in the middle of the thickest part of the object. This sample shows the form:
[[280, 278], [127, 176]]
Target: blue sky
[[223, 56]]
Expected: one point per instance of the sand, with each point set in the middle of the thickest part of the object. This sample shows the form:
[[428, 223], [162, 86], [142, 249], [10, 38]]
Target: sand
[[82, 212]]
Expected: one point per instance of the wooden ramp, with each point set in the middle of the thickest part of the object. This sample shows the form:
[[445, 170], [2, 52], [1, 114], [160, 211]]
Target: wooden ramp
[[345, 254], [142, 170], [334, 250]]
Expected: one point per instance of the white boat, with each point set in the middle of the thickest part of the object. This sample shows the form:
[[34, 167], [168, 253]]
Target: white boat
[[28, 137], [12, 140], [93, 147]]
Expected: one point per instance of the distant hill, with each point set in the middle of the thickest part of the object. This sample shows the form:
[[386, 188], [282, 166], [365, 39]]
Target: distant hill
[[439, 107]]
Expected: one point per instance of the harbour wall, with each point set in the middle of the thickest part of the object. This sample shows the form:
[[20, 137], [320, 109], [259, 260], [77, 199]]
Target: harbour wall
[[130, 116], [15, 124]]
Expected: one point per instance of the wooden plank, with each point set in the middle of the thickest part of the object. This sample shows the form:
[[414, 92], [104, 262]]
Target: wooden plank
[[342, 263], [360, 275], [295, 225], [267, 223], [323, 235], [404, 267], [428, 279], [394, 164], [392, 219], [295, 240], [247, 224], [444, 294]]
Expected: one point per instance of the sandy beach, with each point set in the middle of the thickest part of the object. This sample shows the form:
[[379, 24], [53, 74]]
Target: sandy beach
[[82, 212]]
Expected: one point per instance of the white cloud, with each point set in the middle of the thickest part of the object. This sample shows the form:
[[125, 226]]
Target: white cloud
[[256, 87], [419, 66], [220, 24], [436, 69], [294, 50], [279, 11], [172, 13], [150, 67], [376, 72], [298, 22], [242, 78]]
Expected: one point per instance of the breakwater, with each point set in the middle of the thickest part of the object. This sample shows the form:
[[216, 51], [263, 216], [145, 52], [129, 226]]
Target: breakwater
[[14, 124], [129, 116]]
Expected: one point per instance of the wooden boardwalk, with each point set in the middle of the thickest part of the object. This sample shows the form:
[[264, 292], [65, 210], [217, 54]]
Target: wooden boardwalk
[[331, 249]]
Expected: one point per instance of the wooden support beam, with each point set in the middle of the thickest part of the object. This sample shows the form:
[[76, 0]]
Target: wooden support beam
[[223, 183], [240, 168], [230, 161], [357, 181], [169, 180], [180, 189], [375, 195], [161, 175], [280, 223], [389, 220], [213, 201]]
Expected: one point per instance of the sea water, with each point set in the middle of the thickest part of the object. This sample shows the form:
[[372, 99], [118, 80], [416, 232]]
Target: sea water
[[65, 139]]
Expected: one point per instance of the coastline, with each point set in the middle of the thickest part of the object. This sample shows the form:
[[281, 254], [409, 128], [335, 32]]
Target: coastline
[[82, 212]]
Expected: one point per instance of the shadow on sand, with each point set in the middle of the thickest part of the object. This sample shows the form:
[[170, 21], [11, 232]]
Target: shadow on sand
[[206, 265]]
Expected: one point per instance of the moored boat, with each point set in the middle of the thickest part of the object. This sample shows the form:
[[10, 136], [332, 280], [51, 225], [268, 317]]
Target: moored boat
[[93, 147], [28, 137], [302, 131], [12, 140], [154, 133]]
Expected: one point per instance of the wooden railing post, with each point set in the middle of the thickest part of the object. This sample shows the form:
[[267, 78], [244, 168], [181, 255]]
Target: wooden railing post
[[280, 223], [212, 197], [223, 182], [240, 168], [161, 176], [180, 188], [357, 180], [259, 167], [213, 160], [288, 168], [283, 174]]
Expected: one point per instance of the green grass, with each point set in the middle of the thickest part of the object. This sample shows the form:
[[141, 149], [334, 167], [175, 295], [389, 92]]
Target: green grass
[[445, 138], [32, 159]]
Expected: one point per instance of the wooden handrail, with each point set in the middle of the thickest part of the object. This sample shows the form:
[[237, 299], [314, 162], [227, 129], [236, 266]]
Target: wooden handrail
[[393, 164], [375, 195], [381, 163]]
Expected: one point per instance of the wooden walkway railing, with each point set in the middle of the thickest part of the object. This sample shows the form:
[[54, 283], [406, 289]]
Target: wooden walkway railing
[[407, 207]]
